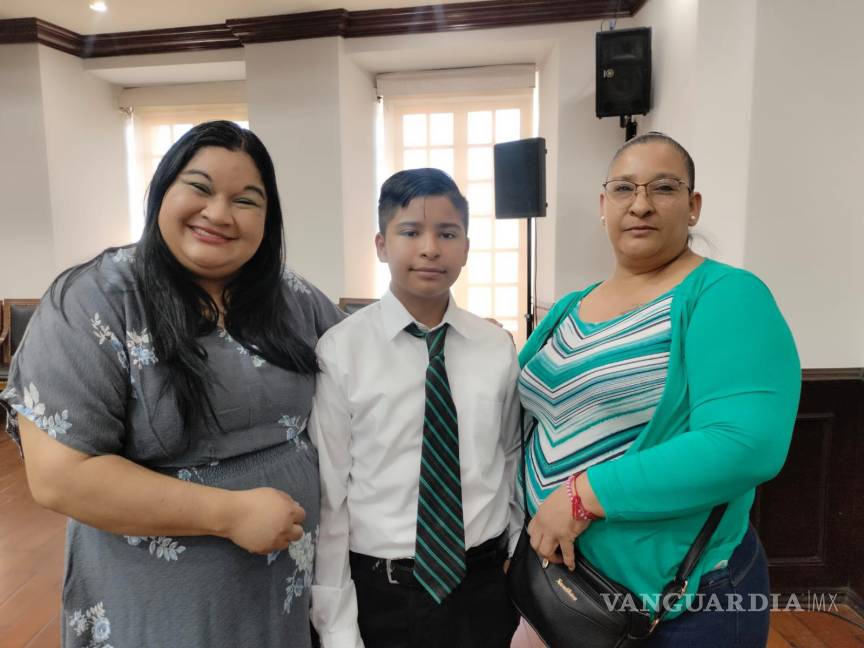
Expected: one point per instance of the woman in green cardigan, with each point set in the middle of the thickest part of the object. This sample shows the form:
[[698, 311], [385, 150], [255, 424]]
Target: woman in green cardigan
[[668, 388]]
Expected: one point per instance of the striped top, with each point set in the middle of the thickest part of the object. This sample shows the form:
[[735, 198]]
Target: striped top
[[592, 389]]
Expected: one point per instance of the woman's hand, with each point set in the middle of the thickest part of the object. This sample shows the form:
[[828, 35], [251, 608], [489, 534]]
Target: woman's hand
[[263, 520], [553, 529]]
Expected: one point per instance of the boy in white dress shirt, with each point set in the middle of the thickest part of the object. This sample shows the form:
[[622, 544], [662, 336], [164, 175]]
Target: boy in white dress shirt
[[415, 420]]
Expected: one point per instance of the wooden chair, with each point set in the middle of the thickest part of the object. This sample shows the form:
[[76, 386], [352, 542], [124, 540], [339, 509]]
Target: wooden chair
[[353, 304], [16, 316], [4, 370]]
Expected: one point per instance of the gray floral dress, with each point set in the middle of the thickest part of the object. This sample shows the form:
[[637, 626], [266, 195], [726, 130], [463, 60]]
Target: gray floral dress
[[93, 382]]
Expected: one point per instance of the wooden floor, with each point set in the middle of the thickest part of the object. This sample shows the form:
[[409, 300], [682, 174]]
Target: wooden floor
[[31, 572]]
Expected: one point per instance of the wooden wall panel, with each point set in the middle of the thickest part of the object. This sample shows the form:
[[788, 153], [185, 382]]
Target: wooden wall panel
[[811, 516]]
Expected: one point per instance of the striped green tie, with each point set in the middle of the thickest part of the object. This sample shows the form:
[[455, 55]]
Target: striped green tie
[[439, 555]]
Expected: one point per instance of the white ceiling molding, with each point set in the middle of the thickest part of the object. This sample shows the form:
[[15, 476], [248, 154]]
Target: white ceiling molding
[[492, 78]]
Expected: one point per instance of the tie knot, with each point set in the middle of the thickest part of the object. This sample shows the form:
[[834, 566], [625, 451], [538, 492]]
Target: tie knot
[[434, 339]]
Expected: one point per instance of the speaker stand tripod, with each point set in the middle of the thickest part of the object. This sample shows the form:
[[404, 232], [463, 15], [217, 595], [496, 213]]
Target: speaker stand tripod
[[529, 308], [629, 127]]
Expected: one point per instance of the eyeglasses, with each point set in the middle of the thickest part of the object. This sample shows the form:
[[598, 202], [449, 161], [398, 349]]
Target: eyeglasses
[[660, 191]]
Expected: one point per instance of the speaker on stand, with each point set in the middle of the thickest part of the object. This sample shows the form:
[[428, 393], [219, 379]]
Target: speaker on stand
[[520, 192], [623, 68]]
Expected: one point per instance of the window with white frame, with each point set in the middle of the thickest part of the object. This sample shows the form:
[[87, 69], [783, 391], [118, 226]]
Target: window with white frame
[[151, 132], [456, 133]]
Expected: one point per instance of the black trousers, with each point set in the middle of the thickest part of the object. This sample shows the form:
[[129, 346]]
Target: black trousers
[[477, 614]]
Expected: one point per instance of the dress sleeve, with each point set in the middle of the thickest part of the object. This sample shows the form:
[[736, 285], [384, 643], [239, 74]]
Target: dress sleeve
[[69, 375], [324, 312], [743, 380]]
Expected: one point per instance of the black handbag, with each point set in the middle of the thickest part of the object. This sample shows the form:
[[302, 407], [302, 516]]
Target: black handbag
[[584, 608]]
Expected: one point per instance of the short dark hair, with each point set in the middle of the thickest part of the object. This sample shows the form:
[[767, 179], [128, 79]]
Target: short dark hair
[[657, 136], [401, 188]]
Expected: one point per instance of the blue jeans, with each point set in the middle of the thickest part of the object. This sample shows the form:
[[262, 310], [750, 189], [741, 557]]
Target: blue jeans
[[746, 573]]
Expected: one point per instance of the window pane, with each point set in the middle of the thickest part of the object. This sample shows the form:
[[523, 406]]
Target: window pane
[[177, 130], [414, 130], [507, 234], [480, 233], [507, 124], [442, 159], [480, 195], [441, 129], [480, 267], [507, 267], [480, 166], [480, 300], [161, 139], [414, 159], [480, 127], [506, 298], [242, 124]]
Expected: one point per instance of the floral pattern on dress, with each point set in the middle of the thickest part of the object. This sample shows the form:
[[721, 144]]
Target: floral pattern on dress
[[294, 425], [163, 547], [95, 620], [123, 255], [303, 554], [104, 334], [140, 348], [295, 282], [257, 361], [54, 424]]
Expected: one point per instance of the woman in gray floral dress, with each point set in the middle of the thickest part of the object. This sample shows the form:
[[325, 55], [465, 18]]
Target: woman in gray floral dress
[[160, 397]]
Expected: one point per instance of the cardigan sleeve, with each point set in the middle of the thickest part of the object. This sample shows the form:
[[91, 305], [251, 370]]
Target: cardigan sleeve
[[743, 381]]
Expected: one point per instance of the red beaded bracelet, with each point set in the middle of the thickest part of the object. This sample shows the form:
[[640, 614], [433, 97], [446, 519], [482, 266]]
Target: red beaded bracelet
[[577, 508]]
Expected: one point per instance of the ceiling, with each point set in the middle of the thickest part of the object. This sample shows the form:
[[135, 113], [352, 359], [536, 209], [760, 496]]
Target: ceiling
[[133, 15]]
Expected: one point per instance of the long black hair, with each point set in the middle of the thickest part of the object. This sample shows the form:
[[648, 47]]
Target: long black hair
[[177, 310]]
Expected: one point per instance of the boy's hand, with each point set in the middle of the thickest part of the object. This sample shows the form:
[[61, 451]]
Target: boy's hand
[[553, 529]]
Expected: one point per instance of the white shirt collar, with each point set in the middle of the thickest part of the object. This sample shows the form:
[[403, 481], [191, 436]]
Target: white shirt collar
[[396, 317]]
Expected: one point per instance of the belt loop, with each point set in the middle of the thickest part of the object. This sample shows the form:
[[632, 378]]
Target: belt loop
[[389, 566]]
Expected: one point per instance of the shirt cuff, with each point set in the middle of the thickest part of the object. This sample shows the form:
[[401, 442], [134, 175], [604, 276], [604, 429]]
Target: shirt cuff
[[342, 639]]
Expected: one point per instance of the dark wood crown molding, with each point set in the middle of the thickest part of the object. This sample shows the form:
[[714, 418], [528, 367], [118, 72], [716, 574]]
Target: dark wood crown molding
[[33, 30], [159, 41], [314, 24], [482, 15], [311, 24]]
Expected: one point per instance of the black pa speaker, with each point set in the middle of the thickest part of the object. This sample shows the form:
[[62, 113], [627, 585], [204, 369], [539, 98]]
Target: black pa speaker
[[623, 72], [520, 178]]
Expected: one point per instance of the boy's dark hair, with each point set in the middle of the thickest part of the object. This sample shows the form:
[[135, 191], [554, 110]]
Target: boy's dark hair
[[657, 136], [403, 187]]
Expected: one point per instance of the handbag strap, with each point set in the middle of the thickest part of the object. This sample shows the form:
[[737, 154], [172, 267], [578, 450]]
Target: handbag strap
[[675, 589]]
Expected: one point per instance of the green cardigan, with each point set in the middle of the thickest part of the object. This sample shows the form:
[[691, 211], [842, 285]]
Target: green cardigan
[[722, 426]]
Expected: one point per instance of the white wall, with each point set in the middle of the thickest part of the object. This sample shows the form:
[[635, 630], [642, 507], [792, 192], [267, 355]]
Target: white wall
[[766, 96], [63, 178], [805, 226], [294, 106], [547, 90], [86, 159], [358, 106], [27, 245]]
